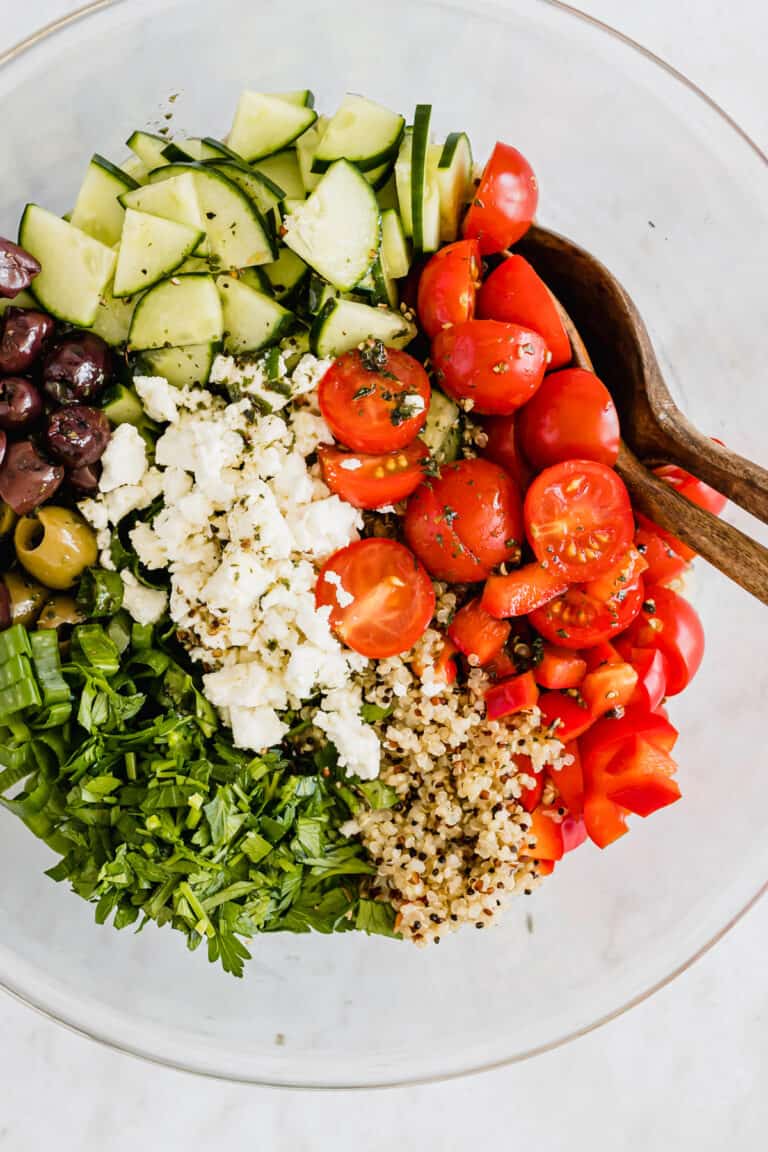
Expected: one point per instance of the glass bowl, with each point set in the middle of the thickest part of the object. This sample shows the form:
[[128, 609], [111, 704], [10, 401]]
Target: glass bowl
[[635, 165]]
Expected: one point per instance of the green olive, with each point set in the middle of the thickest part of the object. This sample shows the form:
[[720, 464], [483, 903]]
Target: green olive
[[58, 611], [27, 597], [55, 545], [7, 519]]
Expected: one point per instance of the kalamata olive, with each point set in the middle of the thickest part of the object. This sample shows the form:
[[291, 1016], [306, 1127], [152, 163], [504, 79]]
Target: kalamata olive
[[3, 445], [27, 597], [27, 479], [78, 435], [20, 403], [17, 269], [77, 368], [25, 334], [85, 480], [5, 607]]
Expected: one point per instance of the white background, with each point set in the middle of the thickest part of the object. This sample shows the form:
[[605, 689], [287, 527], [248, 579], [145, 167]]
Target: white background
[[686, 1070]]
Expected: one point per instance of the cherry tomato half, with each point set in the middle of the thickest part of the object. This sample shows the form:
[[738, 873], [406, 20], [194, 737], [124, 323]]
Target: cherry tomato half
[[576, 620], [505, 201], [375, 400], [571, 417], [515, 293], [664, 563], [494, 365], [475, 633], [381, 598], [448, 285], [372, 481], [668, 622], [466, 521], [502, 447], [578, 517]]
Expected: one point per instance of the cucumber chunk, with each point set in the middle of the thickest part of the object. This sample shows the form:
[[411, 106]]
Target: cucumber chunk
[[121, 405], [362, 132], [387, 194], [337, 230], [174, 199], [301, 96], [306, 147], [379, 288], [98, 210], [151, 249], [113, 318], [180, 311], [395, 249], [286, 274], [454, 183], [266, 124], [265, 194], [182, 367], [283, 170], [252, 320], [181, 151], [344, 324], [403, 176], [442, 431], [425, 199], [75, 268], [149, 148]]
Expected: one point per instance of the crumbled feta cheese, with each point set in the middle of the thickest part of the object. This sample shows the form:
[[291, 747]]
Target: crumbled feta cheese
[[310, 432], [356, 742], [308, 373], [159, 398], [256, 727], [343, 597], [124, 460], [146, 605]]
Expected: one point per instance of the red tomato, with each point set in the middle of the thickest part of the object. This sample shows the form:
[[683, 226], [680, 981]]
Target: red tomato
[[664, 563], [560, 668], [531, 797], [372, 481], [547, 830], [522, 591], [576, 620], [494, 365], [569, 781], [693, 489], [567, 716], [475, 633], [651, 668], [513, 292], [381, 598], [448, 285], [509, 696], [611, 686], [668, 622], [466, 521], [379, 408], [603, 653], [503, 449], [505, 201], [571, 417], [622, 574], [578, 517]]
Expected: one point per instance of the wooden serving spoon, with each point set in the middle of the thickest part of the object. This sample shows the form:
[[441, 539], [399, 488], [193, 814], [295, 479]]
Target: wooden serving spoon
[[598, 314]]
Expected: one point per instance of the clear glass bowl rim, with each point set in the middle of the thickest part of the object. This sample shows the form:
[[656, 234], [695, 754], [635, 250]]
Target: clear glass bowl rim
[[87, 11]]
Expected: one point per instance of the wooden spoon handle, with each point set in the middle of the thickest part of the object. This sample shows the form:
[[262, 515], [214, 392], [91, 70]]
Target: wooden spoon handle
[[741, 480], [738, 557]]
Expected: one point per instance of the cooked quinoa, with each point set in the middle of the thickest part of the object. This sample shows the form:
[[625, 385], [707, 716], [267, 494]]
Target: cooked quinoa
[[458, 841]]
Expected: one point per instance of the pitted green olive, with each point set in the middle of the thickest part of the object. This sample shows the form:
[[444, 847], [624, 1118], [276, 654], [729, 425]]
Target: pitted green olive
[[27, 597], [8, 519], [55, 545], [58, 611]]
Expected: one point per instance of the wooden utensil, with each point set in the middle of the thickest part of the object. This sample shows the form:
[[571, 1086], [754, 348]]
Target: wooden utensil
[[600, 316]]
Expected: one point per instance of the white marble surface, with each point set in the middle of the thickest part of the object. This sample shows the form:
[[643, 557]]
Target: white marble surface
[[686, 1070]]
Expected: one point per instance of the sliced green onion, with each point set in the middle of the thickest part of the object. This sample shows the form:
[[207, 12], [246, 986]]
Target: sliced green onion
[[13, 641]]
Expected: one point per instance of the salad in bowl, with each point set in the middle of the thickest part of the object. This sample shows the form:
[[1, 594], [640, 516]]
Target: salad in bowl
[[323, 607]]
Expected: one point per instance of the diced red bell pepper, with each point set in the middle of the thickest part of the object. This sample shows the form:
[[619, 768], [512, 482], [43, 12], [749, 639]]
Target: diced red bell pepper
[[476, 633], [651, 668], [531, 797], [611, 686], [604, 820], [560, 668], [523, 590], [444, 664], [548, 831], [545, 867], [501, 667], [643, 775], [567, 716], [604, 653], [569, 781], [510, 696], [574, 832]]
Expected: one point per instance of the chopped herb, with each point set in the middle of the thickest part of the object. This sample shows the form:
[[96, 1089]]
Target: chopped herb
[[373, 356]]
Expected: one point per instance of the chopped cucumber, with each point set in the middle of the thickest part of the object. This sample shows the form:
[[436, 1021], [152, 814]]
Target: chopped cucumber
[[181, 151], [344, 324], [75, 268], [265, 194], [180, 311], [134, 168], [149, 148], [306, 147], [362, 132], [296, 346], [380, 289], [121, 405], [442, 431], [238, 235], [395, 249], [286, 275], [252, 320], [454, 183], [113, 318], [151, 249], [97, 209], [195, 263], [257, 278], [387, 194], [283, 170], [174, 199], [403, 171], [182, 367], [301, 96], [425, 200], [337, 230], [265, 124], [378, 177], [213, 150]]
